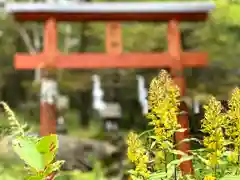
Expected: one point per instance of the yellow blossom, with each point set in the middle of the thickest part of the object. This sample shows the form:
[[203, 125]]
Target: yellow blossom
[[163, 100], [137, 154], [233, 124], [209, 178], [212, 124]]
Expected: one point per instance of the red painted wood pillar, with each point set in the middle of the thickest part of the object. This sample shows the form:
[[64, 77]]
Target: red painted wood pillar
[[175, 51], [49, 89]]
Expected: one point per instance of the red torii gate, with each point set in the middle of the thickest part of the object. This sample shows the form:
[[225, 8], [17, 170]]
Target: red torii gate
[[174, 58]]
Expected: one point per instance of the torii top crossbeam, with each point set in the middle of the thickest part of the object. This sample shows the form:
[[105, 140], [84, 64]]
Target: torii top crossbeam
[[111, 11]]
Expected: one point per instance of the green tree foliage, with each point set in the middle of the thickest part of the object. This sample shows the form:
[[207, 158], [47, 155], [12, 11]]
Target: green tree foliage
[[219, 36]]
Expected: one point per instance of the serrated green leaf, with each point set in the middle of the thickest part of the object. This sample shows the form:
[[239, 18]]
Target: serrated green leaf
[[199, 150], [228, 177], [181, 130], [53, 167], [132, 172], [177, 162], [171, 167], [57, 165], [201, 158], [156, 176], [30, 170], [153, 145], [35, 178], [188, 140], [48, 146], [134, 178], [227, 142], [145, 132], [34, 139], [177, 152], [28, 152]]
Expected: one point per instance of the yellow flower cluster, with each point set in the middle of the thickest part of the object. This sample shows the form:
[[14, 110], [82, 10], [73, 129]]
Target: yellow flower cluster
[[209, 178], [233, 124], [163, 100], [137, 154], [212, 124], [220, 128]]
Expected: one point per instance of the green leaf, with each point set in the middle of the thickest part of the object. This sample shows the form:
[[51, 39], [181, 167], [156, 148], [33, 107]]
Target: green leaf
[[201, 158], [198, 150], [132, 172], [28, 152], [31, 170], [57, 165], [53, 167], [228, 177], [134, 178], [156, 176], [145, 132], [153, 145], [48, 146], [180, 130], [34, 139], [188, 140], [171, 167], [177, 152], [177, 162], [170, 171], [227, 142], [35, 178]]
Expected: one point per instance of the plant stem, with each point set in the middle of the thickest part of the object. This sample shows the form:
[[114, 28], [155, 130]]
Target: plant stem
[[215, 171], [165, 160], [216, 140], [174, 158], [51, 176], [238, 162]]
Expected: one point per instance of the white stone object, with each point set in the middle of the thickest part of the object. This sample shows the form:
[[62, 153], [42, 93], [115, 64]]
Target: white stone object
[[97, 93], [196, 106], [60, 120], [37, 75], [49, 91], [142, 94], [62, 102], [111, 126], [111, 110]]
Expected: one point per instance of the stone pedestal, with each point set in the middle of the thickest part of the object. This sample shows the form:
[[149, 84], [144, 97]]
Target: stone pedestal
[[111, 116]]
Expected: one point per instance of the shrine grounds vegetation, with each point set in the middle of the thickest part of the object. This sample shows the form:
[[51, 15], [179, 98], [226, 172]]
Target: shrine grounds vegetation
[[42, 166], [153, 153]]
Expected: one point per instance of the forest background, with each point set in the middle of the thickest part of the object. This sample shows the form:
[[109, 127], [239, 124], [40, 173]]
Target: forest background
[[219, 36]]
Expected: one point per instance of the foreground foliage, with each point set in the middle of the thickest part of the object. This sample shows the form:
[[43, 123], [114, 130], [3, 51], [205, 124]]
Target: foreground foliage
[[155, 152], [38, 154]]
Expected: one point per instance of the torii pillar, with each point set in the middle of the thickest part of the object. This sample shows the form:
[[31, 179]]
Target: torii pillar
[[176, 71], [49, 86], [174, 59]]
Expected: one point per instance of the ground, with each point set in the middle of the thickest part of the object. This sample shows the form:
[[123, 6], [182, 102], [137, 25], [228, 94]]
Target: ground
[[7, 167]]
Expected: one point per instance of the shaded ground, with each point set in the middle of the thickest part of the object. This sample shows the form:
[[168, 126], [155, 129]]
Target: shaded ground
[[75, 148]]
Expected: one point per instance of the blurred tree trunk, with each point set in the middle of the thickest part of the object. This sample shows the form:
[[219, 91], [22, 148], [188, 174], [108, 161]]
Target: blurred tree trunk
[[85, 94], [85, 108], [11, 90]]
